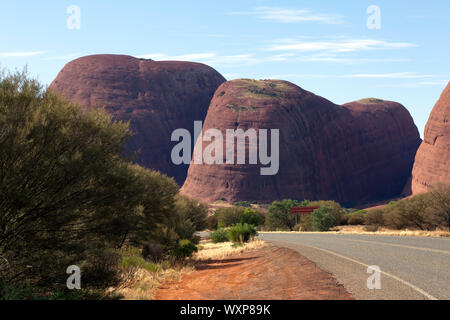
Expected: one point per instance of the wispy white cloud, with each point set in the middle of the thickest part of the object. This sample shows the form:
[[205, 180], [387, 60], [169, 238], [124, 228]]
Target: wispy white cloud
[[284, 15], [393, 75], [69, 56], [337, 46], [440, 83], [20, 54], [332, 58], [220, 60]]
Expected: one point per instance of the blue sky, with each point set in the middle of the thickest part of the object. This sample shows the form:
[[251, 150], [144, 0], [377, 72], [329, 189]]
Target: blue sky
[[322, 46]]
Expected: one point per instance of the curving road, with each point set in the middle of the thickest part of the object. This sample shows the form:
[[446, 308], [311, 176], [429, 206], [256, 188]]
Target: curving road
[[411, 267]]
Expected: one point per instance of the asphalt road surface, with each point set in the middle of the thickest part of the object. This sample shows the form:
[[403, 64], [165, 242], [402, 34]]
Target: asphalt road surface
[[411, 267]]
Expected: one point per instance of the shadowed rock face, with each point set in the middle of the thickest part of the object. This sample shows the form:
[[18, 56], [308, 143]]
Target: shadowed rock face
[[357, 152], [156, 97], [432, 163]]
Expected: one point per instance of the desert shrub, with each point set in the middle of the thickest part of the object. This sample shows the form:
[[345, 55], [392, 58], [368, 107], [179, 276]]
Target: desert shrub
[[250, 216], [69, 196], [184, 249], [305, 223], [100, 267], [211, 222], [60, 169], [323, 219], [154, 251], [131, 261], [230, 216], [246, 204], [440, 199], [426, 211], [279, 215], [193, 210], [374, 217], [336, 210], [219, 235], [355, 218], [415, 212], [241, 233], [17, 291]]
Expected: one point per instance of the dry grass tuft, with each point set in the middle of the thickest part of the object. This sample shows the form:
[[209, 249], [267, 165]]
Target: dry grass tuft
[[146, 283], [221, 250]]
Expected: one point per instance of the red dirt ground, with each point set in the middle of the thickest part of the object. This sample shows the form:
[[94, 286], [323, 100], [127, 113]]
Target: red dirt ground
[[270, 273]]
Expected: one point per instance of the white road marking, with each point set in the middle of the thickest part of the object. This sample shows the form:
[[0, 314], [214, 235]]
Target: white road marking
[[426, 294], [429, 296]]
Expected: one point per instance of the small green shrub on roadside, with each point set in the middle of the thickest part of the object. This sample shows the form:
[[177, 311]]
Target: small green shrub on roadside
[[184, 249], [230, 216], [132, 261], [356, 218], [241, 233], [323, 219], [211, 222], [219, 235], [374, 217], [305, 223], [279, 216]]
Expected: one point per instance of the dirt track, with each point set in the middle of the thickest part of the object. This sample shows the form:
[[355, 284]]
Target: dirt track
[[263, 274]]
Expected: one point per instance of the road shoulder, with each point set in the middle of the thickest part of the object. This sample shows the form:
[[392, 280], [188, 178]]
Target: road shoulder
[[269, 273]]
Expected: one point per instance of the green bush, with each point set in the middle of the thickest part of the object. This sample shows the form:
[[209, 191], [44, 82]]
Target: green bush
[[336, 210], [426, 211], [219, 235], [184, 249], [355, 218], [323, 219], [374, 217], [132, 261], [193, 210], [279, 216], [211, 222], [241, 233], [230, 216], [305, 223], [250, 216], [70, 195]]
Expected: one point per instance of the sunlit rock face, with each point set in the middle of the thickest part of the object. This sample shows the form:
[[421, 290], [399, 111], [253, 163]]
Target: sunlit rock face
[[157, 97], [432, 163], [353, 153]]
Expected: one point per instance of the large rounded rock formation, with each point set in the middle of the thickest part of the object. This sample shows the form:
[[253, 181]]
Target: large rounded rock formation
[[432, 164], [354, 153], [157, 97]]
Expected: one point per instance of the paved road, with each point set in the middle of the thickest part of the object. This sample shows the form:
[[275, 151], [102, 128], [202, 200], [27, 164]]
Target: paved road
[[411, 267]]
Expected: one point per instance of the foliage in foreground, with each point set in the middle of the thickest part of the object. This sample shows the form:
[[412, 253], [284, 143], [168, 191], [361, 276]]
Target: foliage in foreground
[[68, 196]]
